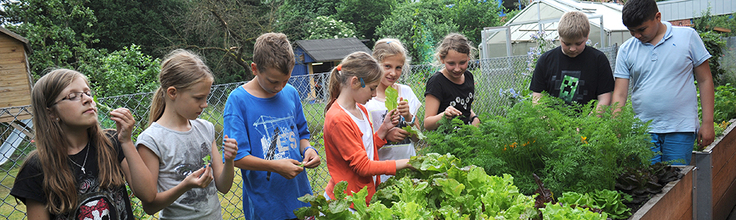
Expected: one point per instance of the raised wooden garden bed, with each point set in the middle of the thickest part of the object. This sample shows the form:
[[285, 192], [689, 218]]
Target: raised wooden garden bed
[[716, 177], [674, 203]]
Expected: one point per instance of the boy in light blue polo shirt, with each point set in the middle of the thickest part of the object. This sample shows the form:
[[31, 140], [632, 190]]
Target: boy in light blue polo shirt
[[659, 62]]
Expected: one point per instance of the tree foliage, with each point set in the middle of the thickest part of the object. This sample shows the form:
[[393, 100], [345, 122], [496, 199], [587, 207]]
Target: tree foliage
[[420, 25], [293, 14], [121, 72], [471, 16], [366, 15], [48, 26], [323, 27], [45, 23], [225, 31], [141, 22]]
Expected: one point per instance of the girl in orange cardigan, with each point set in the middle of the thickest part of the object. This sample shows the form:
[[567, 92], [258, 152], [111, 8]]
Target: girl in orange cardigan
[[351, 146]]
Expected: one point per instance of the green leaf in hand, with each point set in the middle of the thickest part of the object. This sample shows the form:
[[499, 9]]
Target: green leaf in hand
[[391, 96], [206, 160], [101, 106], [414, 131]]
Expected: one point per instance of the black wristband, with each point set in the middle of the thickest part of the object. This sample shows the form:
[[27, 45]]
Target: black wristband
[[473, 119]]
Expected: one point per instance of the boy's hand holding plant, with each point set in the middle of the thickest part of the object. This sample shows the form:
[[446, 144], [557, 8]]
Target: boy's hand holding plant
[[229, 148], [311, 158]]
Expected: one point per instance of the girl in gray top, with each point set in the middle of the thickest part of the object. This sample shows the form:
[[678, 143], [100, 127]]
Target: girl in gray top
[[176, 143]]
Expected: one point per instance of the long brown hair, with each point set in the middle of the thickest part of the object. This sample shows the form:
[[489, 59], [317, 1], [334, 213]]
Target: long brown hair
[[59, 183], [181, 69], [358, 64]]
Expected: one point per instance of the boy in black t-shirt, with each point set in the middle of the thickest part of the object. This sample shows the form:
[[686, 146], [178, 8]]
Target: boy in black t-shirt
[[573, 71]]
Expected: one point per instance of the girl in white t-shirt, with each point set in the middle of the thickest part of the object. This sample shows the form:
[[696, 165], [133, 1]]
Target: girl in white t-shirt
[[391, 56]]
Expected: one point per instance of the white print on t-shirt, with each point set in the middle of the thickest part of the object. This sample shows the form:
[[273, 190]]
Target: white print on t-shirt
[[277, 136], [95, 210], [193, 158], [463, 102]]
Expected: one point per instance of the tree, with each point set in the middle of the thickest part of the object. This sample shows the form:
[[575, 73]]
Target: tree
[[121, 72], [225, 31], [471, 16], [293, 14], [141, 22], [323, 27], [366, 15], [419, 25], [47, 24]]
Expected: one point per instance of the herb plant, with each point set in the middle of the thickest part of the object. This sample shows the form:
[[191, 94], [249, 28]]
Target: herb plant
[[571, 148], [206, 160]]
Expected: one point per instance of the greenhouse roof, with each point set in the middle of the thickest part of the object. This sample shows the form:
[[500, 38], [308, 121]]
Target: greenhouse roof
[[548, 12]]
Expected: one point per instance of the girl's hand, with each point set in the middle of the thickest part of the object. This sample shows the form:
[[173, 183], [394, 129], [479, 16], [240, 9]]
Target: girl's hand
[[199, 179], [229, 148], [311, 158], [288, 168], [391, 120], [396, 134], [403, 164], [124, 123], [450, 112], [403, 108]]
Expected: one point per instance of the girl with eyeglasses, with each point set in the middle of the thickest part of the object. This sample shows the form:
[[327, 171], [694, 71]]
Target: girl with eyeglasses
[[78, 170]]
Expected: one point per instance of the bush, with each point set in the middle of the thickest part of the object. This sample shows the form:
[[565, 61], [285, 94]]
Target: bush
[[568, 147]]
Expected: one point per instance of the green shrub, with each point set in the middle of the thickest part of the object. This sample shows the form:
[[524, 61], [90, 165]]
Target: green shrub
[[567, 146]]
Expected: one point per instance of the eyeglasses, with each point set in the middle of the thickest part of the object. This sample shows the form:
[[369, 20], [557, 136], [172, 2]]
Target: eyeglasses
[[76, 96]]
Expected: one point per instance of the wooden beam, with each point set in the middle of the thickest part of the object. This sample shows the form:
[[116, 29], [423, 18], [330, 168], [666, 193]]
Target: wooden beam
[[722, 30]]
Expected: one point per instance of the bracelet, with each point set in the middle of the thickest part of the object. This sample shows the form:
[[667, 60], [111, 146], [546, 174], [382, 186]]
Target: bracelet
[[413, 118], [307, 148], [473, 119]]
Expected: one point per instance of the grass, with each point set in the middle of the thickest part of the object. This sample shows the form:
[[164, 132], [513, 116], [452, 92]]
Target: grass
[[10, 208]]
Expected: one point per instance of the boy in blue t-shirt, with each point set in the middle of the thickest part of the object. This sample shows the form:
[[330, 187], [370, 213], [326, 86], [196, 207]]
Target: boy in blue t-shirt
[[659, 62], [266, 117]]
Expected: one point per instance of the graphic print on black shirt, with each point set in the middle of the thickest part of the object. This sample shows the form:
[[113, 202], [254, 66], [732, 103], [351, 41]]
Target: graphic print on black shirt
[[459, 96], [569, 84]]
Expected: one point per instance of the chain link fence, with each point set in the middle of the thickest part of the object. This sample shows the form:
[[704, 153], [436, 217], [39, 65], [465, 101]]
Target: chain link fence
[[496, 80]]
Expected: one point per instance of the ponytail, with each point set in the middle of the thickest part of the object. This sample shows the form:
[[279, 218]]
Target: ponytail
[[334, 86], [158, 104]]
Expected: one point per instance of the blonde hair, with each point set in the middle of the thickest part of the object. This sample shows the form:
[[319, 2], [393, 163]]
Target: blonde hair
[[59, 183], [456, 42], [387, 47], [273, 50], [358, 64], [181, 69], [573, 26]]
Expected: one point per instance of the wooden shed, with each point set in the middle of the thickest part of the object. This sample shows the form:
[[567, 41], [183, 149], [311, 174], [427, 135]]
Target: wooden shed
[[15, 76], [317, 57]]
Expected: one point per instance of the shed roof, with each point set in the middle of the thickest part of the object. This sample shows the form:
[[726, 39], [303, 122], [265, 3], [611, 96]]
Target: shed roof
[[322, 50], [23, 40], [688, 9]]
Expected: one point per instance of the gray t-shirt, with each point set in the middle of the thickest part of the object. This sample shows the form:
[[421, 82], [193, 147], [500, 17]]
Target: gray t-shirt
[[180, 154]]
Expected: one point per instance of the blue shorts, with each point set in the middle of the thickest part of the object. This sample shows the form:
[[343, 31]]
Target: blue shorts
[[674, 147]]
